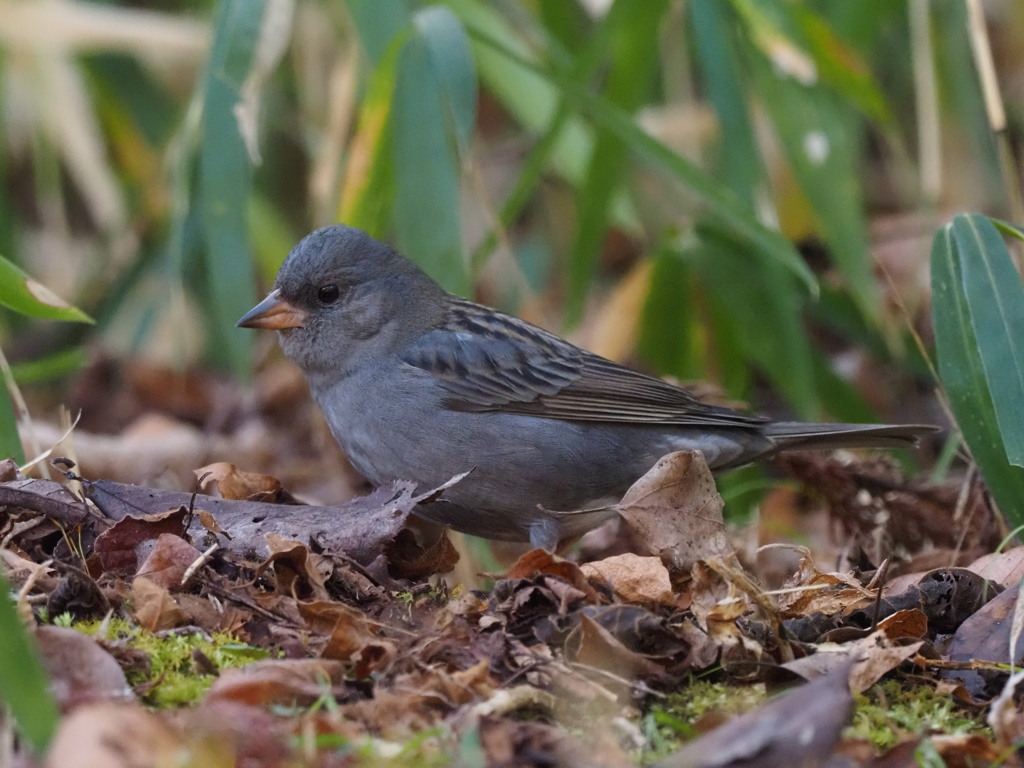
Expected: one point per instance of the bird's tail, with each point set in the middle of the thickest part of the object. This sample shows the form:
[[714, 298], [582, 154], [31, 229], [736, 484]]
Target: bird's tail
[[796, 435]]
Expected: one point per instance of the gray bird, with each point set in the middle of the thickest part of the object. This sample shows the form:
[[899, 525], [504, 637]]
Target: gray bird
[[418, 384]]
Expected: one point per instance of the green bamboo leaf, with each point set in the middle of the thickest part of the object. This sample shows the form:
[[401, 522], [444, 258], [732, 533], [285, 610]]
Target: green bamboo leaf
[[763, 311], [423, 143], [225, 178], [24, 686], [368, 188], [963, 102], [10, 442], [633, 66], [963, 377], [814, 130], [511, 70], [993, 291], [1010, 230], [566, 22], [840, 66], [669, 324], [548, 149], [799, 40], [721, 70], [452, 63], [29, 297], [717, 199], [377, 24]]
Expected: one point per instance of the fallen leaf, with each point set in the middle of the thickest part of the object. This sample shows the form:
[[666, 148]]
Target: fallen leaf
[[109, 735], [361, 528], [676, 513], [798, 729], [278, 681], [633, 578], [237, 484], [168, 561], [154, 608], [80, 669], [297, 571], [126, 544], [985, 636]]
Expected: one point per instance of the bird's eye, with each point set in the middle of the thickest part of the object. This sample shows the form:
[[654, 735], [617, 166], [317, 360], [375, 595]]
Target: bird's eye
[[328, 294]]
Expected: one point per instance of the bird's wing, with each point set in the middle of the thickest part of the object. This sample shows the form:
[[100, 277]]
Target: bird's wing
[[488, 361]]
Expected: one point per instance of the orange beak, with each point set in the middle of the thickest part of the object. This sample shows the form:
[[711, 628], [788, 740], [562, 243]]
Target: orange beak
[[273, 313]]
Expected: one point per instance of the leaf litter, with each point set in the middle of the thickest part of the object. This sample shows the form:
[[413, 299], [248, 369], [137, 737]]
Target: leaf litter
[[371, 656]]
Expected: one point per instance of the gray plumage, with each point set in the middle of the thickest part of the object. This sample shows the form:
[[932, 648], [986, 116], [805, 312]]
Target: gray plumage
[[418, 384]]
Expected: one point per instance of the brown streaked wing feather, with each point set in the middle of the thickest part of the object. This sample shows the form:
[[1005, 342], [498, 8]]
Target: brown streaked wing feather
[[489, 361]]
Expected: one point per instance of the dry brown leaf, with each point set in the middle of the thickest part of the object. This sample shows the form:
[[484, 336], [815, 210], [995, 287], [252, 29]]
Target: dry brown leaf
[[80, 669], [868, 659], [798, 729], [278, 681], [1006, 568], [114, 736], [633, 578], [297, 571], [167, 563], [361, 528], [210, 523], [516, 744], [810, 590], [410, 560], [540, 562], [155, 609], [1005, 716], [676, 513], [877, 655], [352, 636], [237, 484], [985, 636], [908, 623], [595, 646], [125, 544]]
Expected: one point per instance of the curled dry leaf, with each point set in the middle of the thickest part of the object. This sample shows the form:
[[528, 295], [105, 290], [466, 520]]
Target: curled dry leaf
[[810, 590], [541, 563], [871, 656], [297, 571], [594, 645], [351, 636], [411, 560], [235, 483], [676, 513]]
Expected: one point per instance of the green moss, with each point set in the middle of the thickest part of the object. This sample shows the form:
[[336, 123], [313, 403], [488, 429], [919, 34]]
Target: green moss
[[891, 712], [178, 665], [670, 722]]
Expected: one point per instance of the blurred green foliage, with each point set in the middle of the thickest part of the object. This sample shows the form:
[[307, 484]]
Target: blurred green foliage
[[24, 686]]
